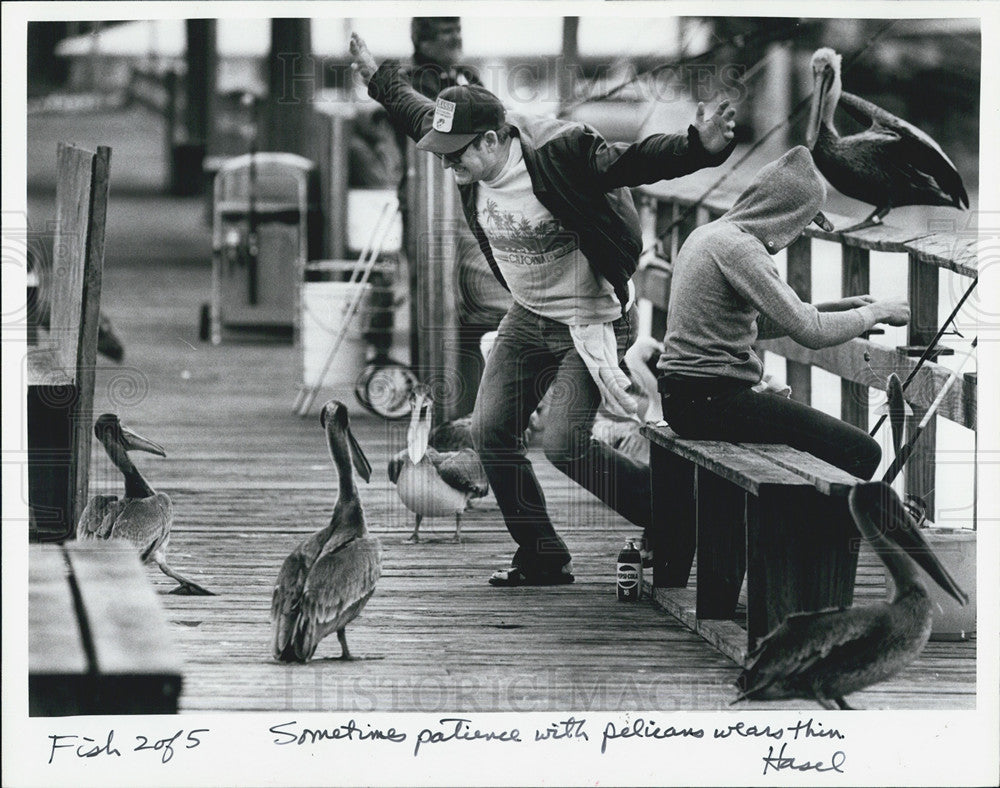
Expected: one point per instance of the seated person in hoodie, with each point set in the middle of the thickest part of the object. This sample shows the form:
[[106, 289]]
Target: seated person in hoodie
[[726, 293]]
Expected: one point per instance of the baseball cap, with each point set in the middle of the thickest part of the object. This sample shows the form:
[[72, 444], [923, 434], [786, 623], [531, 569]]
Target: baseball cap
[[460, 113]]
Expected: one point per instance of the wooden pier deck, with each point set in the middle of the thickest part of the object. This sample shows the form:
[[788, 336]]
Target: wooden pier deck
[[249, 480]]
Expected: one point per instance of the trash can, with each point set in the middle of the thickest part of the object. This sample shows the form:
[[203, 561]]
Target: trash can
[[266, 223]]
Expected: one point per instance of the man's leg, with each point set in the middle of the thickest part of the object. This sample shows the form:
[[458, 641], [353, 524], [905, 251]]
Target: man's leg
[[508, 393], [614, 478]]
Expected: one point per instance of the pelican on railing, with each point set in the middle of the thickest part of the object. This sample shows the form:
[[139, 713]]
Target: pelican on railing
[[326, 581], [432, 483], [143, 517], [826, 655], [890, 164]]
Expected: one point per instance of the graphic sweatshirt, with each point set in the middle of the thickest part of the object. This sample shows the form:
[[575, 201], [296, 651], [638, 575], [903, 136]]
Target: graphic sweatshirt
[[724, 279]]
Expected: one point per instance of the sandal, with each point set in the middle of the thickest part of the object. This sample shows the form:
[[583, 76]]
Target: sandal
[[515, 576]]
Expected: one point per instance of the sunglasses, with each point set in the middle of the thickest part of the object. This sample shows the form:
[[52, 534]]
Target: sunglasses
[[456, 156]]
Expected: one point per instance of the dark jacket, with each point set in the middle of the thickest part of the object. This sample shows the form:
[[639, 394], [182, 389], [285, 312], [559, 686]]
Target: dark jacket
[[575, 174], [429, 78]]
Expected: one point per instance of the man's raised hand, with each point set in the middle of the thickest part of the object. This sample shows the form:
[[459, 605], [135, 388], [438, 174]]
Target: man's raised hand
[[363, 62], [715, 131]]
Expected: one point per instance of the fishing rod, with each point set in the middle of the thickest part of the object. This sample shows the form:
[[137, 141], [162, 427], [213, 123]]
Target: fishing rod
[[252, 246], [907, 449], [929, 350]]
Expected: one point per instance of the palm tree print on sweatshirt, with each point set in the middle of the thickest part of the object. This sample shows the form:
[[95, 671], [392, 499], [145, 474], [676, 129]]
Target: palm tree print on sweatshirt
[[508, 233]]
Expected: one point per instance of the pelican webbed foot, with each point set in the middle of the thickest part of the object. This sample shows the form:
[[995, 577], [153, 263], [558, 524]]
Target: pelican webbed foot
[[874, 220], [187, 587]]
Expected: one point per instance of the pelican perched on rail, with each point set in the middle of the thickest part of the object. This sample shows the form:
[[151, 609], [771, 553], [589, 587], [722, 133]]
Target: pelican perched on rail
[[432, 483], [889, 165], [831, 653], [143, 517], [326, 581]]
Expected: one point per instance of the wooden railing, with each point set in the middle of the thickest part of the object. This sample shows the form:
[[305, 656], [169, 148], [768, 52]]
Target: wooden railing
[[861, 363]]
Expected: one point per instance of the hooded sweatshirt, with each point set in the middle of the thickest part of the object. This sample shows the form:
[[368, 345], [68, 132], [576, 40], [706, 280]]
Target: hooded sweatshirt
[[724, 278]]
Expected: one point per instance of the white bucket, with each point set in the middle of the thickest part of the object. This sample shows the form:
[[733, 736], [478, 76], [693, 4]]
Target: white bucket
[[324, 307]]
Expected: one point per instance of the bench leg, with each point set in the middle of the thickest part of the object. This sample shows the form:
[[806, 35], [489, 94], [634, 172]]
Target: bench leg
[[672, 534], [721, 545], [802, 556]]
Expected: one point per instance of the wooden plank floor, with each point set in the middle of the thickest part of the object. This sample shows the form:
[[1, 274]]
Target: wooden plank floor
[[249, 480]]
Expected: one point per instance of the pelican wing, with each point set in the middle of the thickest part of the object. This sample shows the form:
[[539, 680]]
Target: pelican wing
[[461, 470], [285, 602], [336, 589], [143, 522], [801, 641], [914, 147], [452, 435], [98, 516]]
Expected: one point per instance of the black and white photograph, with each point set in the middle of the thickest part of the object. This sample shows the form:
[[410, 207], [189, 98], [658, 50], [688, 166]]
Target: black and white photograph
[[472, 393]]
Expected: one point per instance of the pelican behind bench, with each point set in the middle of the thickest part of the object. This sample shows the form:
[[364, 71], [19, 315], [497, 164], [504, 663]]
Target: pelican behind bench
[[773, 513]]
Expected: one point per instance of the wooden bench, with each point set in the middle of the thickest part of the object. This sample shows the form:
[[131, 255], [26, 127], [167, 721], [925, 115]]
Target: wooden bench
[[98, 641], [777, 515]]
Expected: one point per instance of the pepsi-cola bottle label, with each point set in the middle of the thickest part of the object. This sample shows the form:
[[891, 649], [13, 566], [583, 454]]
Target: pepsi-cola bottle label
[[629, 574]]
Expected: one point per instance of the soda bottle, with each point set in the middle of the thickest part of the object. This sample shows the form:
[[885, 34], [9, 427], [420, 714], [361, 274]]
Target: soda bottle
[[629, 573]]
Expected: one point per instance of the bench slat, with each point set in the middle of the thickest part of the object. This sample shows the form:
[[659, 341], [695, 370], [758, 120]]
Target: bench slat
[[732, 462], [55, 645], [127, 622], [827, 478]]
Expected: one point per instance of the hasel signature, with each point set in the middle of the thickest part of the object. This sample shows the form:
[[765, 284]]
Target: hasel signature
[[782, 761]]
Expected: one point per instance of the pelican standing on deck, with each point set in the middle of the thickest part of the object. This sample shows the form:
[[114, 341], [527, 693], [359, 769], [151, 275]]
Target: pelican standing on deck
[[329, 577], [831, 653], [432, 483], [143, 517], [889, 165]]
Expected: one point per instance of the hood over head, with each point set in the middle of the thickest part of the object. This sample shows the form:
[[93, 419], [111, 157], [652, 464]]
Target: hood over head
[[784, 197]]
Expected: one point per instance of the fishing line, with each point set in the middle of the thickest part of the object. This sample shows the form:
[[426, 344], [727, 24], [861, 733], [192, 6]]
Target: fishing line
[[744, 40]]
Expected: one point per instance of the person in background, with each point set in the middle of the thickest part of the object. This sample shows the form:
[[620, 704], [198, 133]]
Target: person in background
[[548, 203], [726, 293]]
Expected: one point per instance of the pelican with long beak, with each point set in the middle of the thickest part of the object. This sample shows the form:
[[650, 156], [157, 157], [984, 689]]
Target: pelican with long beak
[[827, 655], [143, 517], [326, 581], [890, 164], [432, 483]]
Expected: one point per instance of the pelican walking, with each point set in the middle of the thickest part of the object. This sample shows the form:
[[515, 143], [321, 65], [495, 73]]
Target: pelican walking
[[890, 164], [143, 517], [827, 655], [432, 483], [326, 581]]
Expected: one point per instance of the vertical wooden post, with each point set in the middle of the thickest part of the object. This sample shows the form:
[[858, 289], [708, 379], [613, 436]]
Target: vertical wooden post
[[434, 216], [798, 375], [854, 281], [922, 286], [292, 83]]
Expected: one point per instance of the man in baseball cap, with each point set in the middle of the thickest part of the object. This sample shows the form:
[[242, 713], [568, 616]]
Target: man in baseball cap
[[461, 114], [549, 205]]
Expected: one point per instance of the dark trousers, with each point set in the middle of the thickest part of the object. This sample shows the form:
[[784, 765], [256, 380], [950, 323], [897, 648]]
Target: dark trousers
[[726, 409], [532, 354]]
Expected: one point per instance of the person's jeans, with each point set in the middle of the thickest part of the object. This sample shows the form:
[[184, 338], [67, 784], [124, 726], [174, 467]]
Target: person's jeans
[[532, 354], [727, 409]]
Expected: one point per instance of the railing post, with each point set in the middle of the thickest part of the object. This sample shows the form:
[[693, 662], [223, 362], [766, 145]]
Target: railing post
[[799, 376], [922, 293], [854, 281]]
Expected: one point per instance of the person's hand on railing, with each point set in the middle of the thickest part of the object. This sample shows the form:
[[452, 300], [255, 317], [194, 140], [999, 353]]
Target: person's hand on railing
[[716, 131], [893, 313], [363, 63]]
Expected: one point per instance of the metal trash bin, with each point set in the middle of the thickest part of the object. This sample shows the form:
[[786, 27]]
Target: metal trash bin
[[265, 225]]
